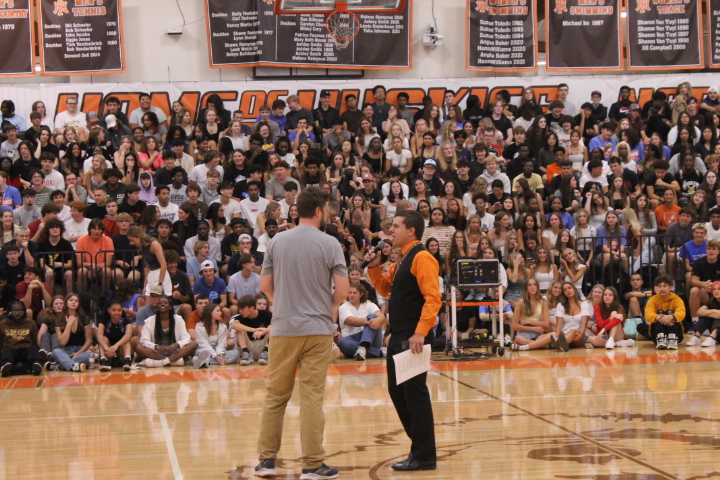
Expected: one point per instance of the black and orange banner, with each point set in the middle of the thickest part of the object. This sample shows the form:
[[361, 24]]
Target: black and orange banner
[[502, 35], [583, 35], [713, 32], [17, 58], [80, 37], [249, 33], [664, 35]]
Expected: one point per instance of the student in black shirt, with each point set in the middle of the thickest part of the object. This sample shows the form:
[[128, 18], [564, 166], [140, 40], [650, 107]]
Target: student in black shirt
[[114, 334], [164, 175], [125, 251], [473, 113], [621, 108], [57, 254], [132, 205], [13, 270], [256, 154], [236, 169], [182, 293], [253, 327], [254, 172]]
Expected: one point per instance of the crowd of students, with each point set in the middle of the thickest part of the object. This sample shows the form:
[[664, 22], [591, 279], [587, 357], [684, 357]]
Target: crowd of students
[[124, 204]]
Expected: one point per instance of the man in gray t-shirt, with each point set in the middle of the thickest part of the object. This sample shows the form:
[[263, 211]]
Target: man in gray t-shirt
[[300, 268]]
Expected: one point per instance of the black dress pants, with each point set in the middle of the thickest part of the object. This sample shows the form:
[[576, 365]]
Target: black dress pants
[[412, 403]]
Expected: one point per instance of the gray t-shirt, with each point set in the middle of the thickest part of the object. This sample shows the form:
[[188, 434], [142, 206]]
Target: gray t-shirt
[[303, 261], [143, 313], [240, 286]]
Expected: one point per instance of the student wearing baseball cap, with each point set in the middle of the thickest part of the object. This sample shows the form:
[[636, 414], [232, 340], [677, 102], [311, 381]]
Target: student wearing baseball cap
[[213, 286]]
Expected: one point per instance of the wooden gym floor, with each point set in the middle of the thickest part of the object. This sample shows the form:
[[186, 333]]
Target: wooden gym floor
[[630, 414]]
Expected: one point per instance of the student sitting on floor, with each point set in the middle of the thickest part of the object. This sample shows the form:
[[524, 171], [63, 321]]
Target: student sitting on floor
[[252, 327], [165, 340], [709, 317], [212, 336], [18, 336], [531, 319], [609, 316], [665, 312], [114, 334], [361, 323], [637, 298]]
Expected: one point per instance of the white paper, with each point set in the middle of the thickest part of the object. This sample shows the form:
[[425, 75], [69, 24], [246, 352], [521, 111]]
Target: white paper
[[409, 365]]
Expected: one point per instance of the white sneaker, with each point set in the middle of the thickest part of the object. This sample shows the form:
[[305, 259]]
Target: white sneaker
[[694, 340], [508, 340], [610, 344], [150, 363], [672, 342], [625, 343], [79, 367], [202, 360], [360, 354], [709, 342], [179, 363], [335, 352], [383, 352]]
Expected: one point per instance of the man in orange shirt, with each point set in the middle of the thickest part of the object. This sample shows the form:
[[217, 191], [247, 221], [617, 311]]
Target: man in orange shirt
[[556, 168], [193, 319], [414, 289], [91, 263], [668, 212]]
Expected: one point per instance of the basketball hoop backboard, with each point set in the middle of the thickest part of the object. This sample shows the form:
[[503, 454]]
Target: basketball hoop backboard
[[328, 6]]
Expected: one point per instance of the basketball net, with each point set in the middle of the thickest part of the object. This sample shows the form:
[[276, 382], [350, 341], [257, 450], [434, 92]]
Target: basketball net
[[342, 25]]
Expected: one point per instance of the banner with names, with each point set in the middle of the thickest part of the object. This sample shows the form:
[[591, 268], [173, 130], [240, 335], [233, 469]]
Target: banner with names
[[249, 33], [664, 35], [583, 35], [713, 33], [502, 35], [81, 37], [16, 30]]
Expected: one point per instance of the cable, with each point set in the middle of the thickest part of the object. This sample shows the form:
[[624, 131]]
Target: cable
[[432, 10], [181, 12]]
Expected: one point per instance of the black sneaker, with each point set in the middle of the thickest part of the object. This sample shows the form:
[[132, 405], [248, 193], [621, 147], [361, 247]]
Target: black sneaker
[[43, 356], [6, 369], [37, 369], [105, 365], [323, 471], [266, 468], [127, 363]]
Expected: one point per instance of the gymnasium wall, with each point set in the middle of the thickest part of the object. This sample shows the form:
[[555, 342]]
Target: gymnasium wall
[[157, 62]]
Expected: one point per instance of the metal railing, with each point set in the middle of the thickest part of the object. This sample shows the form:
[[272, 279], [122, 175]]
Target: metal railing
[[75, 259], [646, 254]]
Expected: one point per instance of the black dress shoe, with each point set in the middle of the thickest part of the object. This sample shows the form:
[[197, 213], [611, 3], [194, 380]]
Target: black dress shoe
[[411, 464]]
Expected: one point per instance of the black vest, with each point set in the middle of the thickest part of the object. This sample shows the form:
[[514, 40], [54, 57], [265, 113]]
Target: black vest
[[406, 299]]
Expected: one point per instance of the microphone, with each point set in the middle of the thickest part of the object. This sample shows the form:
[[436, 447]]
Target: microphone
[[377, 249]]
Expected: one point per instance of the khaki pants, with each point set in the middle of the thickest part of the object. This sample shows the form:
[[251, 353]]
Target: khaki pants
[[312, 355]]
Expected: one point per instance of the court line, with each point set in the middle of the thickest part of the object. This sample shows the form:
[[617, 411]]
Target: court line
[[171, 448], [598, 444], [242, 409]]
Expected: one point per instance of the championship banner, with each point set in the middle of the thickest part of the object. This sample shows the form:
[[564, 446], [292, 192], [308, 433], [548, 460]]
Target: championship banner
[[249, 33], [81, 37], [583, 35], [16, 34], [502, 35], [713, 32], [664, 35]]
